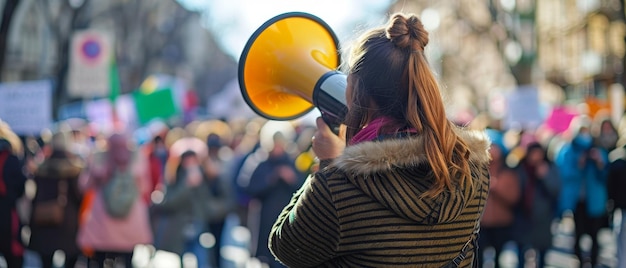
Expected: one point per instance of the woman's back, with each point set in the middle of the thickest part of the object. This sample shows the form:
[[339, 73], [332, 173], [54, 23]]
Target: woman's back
[[367, 209]]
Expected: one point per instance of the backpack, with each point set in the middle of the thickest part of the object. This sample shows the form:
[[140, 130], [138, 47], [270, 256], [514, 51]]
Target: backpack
[[51, 212], [120, 193]]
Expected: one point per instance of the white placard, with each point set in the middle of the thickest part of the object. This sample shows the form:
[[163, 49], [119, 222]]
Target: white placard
[[522, 109], [100, 115], [26, 106]]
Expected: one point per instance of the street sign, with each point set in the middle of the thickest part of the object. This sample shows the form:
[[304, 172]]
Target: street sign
[[90, 58]]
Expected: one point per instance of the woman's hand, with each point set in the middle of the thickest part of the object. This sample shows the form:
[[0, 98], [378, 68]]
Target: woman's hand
[[325, 143]]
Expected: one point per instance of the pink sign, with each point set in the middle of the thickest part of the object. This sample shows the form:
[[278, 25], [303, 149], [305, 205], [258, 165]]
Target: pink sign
[[560, 119]]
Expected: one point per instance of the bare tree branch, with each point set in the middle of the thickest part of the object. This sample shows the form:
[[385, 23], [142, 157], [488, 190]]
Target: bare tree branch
[[7, 17]]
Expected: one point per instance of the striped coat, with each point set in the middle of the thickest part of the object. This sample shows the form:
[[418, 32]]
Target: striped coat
[[364, 210]]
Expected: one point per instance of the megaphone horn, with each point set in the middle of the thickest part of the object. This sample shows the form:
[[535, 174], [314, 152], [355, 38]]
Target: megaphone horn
[[289, 65]]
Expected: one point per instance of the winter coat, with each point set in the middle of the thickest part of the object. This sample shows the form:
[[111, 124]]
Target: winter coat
[[102, 232], [533, 226], [590, 180], [274, 194], [181, 215], [366, 209], [47, 239], [617, 177], [223, 199], [11, 189], [504, 193]]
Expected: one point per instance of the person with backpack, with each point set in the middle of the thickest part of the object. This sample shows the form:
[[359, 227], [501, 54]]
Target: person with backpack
[[118, 219], [12, 181], [54, 217]]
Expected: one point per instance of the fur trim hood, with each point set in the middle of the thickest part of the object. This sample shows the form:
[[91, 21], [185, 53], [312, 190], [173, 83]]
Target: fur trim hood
[[372, 157], [395, 173]]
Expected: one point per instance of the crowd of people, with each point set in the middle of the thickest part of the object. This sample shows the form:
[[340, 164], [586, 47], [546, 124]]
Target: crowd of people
[[539, 177], [98, 196]]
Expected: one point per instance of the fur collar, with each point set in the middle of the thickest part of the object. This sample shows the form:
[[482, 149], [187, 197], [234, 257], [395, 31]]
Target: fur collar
[[372, 157]]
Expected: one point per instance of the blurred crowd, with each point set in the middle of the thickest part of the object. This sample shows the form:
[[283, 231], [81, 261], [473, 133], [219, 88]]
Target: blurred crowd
[[95, 197], [541, 179]]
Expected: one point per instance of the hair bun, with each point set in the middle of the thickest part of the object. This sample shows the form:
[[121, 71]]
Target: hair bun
[[407, 31]]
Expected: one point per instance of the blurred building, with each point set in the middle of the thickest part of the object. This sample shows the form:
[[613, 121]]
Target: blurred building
[[465, 50], [582, 48], [568, 49], [148, 37]]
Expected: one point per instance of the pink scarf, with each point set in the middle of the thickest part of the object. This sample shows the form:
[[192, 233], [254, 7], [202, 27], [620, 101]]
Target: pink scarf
[[372, 130]]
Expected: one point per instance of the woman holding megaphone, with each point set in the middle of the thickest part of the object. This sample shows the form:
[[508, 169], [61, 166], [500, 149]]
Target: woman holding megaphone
[[403, 186]]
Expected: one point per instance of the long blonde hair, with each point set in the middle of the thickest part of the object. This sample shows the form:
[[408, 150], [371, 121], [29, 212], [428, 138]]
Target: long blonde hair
[[388, 66]]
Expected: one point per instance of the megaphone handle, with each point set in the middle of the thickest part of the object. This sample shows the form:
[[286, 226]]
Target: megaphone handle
[[332, 123]]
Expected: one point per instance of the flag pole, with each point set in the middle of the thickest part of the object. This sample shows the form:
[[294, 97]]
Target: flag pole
[[114, 92]]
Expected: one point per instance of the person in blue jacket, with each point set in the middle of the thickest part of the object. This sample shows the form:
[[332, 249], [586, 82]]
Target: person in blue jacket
[[583, 168]]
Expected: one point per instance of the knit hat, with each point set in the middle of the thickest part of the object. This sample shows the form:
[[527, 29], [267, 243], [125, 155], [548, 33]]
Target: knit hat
[[497, 138]]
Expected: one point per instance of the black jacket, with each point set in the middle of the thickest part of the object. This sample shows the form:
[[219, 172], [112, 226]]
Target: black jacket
[[47, 239], [12, 181], [617, 177]]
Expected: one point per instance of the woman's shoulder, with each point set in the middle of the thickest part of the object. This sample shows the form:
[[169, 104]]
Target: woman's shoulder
[[478, 144]]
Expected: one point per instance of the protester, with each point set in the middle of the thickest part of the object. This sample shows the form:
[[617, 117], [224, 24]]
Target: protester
[[182, 213], [113, 228], [616, 182], [157, 155], [57, 186], [540, 185], [583, 168], [12, 181], [159, 152], [496, 226], [223, 200], [272, 183], [604, 133], [408, 189], [245, 145]]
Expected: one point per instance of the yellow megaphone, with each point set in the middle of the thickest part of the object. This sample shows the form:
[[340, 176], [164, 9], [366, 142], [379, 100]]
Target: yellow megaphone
[[290, 65]]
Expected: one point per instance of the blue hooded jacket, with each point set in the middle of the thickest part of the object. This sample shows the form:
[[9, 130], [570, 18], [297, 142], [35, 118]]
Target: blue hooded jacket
[[588, 183]]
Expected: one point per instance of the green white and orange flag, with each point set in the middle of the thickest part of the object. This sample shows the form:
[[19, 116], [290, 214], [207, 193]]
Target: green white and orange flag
[[114, 91]]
